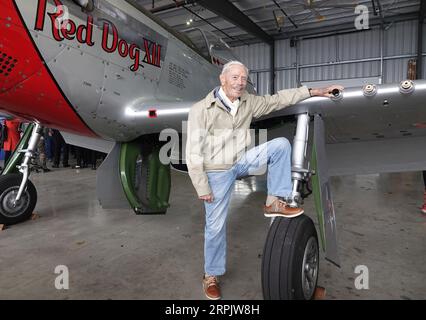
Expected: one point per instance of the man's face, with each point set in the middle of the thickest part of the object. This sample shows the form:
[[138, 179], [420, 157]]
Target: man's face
[[234, 82]]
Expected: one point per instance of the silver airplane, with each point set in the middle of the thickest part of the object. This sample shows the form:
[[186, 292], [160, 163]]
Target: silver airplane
[[114, 78]]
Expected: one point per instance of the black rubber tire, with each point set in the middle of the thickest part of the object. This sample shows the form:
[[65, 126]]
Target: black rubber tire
[[9, 185], [282, 260]]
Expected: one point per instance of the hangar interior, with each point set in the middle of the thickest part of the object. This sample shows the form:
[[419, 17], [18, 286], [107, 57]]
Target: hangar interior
[[115, 254], [311, 40]]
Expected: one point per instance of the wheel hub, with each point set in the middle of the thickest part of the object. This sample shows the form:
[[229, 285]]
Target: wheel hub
[[310, 268], [9, 206]]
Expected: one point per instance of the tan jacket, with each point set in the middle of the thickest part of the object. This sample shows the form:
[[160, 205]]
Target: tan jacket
[[216, 140]]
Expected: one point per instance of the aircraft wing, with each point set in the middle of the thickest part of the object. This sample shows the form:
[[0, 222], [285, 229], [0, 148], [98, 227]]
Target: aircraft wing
[[384, 132]]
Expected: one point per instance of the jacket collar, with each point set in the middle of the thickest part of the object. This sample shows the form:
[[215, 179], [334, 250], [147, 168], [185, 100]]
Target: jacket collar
[[211, 98]]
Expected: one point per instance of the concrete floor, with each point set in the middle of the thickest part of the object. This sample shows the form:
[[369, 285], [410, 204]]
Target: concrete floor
[[114, 254]]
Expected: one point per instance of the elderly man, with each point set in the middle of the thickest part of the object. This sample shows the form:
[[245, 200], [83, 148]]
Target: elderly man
[[215, 154]]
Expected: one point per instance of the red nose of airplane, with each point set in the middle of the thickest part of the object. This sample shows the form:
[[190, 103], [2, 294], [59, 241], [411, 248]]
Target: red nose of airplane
[[27, 87], [16, 64], [7, 64]]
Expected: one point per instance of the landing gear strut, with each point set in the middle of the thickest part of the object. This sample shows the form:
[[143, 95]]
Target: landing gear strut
[[18, 196], [291, 256]]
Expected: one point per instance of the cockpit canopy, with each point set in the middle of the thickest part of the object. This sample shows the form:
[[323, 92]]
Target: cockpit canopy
[[211, 47], [214, 49]]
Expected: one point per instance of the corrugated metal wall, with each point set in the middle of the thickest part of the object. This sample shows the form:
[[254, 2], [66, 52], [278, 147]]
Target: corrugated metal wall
[[257, 57], [335, 57]]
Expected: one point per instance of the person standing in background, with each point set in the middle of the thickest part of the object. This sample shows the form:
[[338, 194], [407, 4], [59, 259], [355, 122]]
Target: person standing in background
[[59, 144], [41, 149], [12, 138], [48, 140]]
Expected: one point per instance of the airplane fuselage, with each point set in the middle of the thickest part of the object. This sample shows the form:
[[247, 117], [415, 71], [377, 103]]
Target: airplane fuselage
[[112, 73]]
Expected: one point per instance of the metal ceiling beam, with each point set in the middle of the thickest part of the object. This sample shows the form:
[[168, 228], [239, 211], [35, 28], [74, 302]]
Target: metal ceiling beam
[[345, 27], [174, 5], [285, 13], [231, 13], [212, 25], [268, 28]]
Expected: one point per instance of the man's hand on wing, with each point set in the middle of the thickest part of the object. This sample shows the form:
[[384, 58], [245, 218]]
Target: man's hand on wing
[[208, 197], [326, 92]]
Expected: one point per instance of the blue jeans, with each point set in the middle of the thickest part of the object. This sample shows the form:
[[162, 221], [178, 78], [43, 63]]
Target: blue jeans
[[276, 156]]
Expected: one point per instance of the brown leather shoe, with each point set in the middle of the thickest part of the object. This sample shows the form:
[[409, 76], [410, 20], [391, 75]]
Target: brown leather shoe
[[280, 208], [211, 287]]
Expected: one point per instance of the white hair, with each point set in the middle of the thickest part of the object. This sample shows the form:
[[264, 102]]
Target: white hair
[[228, 65]]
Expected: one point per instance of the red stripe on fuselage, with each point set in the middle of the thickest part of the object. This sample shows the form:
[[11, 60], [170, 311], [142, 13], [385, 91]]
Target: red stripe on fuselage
[[28, 89]]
